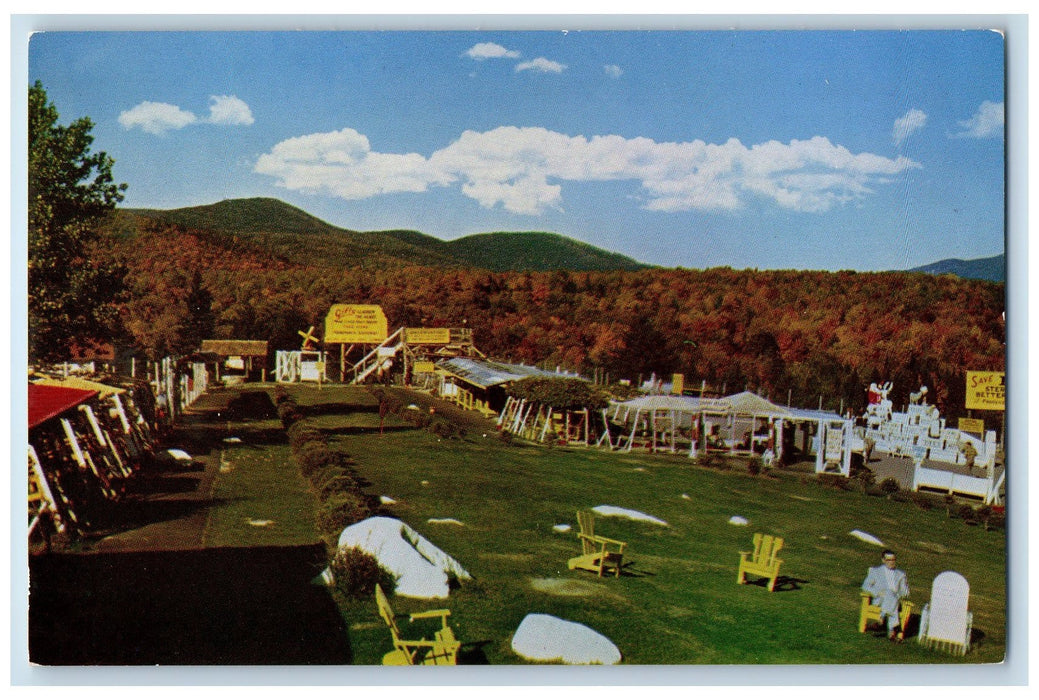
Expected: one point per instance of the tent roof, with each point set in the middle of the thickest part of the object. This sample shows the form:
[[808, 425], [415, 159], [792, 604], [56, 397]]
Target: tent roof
[[46, 402], [485, 374], [745, 403]]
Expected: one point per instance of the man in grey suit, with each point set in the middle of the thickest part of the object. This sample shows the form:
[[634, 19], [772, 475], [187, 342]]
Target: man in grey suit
[[887, 585]]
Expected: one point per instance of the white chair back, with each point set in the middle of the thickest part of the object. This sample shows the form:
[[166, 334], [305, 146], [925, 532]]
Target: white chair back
[[948, 618]]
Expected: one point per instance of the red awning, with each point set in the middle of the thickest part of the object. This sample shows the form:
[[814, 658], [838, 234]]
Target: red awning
[[46, 402]]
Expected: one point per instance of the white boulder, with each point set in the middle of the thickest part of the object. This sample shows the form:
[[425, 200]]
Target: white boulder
[[420, 568], [550, 639]]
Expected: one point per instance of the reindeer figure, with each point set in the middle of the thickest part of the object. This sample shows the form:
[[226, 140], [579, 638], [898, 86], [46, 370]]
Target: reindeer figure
[[919, 397]]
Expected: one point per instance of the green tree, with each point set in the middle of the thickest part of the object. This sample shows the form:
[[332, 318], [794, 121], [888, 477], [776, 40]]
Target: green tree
[[72, 289]]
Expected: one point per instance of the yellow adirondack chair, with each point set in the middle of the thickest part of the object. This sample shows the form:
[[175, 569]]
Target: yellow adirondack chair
[[762, 561], [871, 613], [598, 553], [442, 650]]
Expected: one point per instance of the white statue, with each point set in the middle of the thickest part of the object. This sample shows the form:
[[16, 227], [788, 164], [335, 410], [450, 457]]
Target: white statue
[[919, 397]]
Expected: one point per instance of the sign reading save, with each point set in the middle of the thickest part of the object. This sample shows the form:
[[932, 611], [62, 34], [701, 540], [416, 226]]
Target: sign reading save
[[986, 390], [355, 323]]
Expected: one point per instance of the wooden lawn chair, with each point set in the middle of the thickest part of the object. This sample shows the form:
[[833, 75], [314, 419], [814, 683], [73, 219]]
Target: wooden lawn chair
[[442, 650], [945, 622], [598, 553], [869, 613], [762, 561]]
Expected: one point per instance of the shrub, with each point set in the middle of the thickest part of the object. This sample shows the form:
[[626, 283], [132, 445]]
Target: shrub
[[836, 481], [336, 484], [317, 456], [356, 572], [866, 478], [341, 510], [505, 436], [288, 412], [754, 466], [441, 427], [301, 433], [965, 512], [923, 501], [320, 477], [890, 486]]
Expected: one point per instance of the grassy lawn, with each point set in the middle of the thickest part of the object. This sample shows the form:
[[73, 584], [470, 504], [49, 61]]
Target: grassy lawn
[[678, 602]]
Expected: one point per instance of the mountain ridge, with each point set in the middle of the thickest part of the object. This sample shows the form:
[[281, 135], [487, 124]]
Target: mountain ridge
[[277, 227]]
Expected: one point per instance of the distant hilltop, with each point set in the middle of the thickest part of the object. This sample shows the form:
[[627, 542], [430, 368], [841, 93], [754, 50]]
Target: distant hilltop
[[992, 269], [297, 237]]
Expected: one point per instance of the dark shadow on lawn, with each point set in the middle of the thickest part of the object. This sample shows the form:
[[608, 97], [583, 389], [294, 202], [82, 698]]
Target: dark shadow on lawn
[[237, 606], [357, 430], [334, 409], [251, 405], [472, 653], [783, 583]]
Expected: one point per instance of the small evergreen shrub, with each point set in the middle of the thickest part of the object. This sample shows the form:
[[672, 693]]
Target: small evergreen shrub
[[924, 501], [889, 486], [335, 483], [341, 510], [356, 572], [505, 436], [755, 465], [314, 457], [301, 433], [836, 481]]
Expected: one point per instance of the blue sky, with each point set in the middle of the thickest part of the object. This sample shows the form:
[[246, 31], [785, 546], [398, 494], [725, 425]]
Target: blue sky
[[865, 150]]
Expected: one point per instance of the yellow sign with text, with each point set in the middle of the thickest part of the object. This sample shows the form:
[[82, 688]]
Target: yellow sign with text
[[355, 323], [986, 391], [972, 425], [677, 384], [427, 336], [424, 367]]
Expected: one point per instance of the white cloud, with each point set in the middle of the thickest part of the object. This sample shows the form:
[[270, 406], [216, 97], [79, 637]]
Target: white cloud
[[523, 169], [906, 126], [156, 117], [613, 71], [987, 122], [160, 117], [541, 65], [228, 109], [489, 49]]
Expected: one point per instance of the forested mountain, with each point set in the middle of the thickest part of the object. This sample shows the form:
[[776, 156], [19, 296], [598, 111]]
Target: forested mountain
[[993, 269], [273, 227], [802, 334]]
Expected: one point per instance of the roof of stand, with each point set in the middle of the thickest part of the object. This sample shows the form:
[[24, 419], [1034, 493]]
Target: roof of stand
[[485, 374], [46, 402]]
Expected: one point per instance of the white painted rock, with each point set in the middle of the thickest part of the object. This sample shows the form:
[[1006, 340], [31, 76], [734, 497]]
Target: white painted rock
[[866, 537], [738, 520], [563, 527], [179, 455], [629, 514], [549, 639], [386, 500], [420, 568]]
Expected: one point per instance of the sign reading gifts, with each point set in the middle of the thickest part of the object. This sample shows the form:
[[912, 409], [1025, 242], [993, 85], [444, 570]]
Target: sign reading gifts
[[986, 390], [355, 323]]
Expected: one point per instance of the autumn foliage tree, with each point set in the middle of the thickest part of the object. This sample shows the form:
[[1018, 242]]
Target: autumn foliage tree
[[71, 286]]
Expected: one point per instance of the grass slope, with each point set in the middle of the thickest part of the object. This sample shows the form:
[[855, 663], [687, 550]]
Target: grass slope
[[678, 603]]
